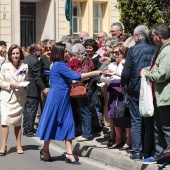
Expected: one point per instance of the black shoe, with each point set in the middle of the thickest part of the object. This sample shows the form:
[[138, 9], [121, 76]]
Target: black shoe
[[110, 142], [118, 146], [30, 134], [136, 156], [42, 157], [125, 148]]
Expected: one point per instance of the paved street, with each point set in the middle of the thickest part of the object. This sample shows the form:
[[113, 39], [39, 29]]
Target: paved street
[[30, 159]]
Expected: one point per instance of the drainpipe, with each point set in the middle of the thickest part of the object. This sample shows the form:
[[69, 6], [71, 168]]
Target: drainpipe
[[68, 13]]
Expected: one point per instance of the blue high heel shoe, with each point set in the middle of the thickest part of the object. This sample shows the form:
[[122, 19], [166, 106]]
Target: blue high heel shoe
[[67, 160]]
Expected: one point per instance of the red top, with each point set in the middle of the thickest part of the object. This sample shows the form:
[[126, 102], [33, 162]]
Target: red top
[[73, 64], [85, 66]]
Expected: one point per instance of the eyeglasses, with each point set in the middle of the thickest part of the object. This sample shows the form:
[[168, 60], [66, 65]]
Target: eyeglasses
[[113, 31], [81, 38], [105, 46], [48, 48], [98, 37], [116, 52]]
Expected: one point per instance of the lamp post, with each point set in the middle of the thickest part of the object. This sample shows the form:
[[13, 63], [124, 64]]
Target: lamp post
[[68, 13]]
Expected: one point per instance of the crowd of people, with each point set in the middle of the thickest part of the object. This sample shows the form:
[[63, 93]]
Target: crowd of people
[[111, 65]]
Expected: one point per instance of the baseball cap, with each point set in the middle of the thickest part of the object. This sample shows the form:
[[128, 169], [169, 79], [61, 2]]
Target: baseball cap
[[2, 43]]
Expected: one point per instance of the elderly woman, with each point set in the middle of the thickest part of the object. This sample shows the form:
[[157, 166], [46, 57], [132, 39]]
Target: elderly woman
[[115, 97], [85, 107], [70, 59], [106, 60]]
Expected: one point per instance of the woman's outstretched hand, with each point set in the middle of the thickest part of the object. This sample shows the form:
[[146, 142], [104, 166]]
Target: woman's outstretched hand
[[97, 73]]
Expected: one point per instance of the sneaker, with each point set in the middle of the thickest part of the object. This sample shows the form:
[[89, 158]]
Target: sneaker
[[148, 161], [81, 139], [162, 165], [167, 166]]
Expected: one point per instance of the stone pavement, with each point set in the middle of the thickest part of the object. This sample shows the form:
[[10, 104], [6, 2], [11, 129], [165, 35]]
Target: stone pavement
[[113, 157]]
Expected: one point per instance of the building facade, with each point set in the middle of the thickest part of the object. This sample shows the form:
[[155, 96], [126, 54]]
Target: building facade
[[26, 21]]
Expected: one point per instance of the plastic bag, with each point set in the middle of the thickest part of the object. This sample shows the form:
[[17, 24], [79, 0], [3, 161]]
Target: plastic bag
[[146, 107]]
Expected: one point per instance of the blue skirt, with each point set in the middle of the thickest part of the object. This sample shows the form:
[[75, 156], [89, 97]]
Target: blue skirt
[[57, 121]]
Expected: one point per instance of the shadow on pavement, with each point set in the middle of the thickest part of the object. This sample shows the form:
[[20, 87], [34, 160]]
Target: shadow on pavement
[[25, 147]]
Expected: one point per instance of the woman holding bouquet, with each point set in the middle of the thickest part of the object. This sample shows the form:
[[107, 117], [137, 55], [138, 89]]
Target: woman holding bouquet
[[14, 96]]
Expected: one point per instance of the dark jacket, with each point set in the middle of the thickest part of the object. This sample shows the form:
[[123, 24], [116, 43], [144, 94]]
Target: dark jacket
[[138, 57], [45, 66], [34, 76]]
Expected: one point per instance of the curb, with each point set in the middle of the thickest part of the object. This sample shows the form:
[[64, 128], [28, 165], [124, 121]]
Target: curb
[[112, 157]]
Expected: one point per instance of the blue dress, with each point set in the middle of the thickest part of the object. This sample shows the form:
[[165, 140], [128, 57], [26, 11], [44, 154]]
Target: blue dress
[[57, 121]]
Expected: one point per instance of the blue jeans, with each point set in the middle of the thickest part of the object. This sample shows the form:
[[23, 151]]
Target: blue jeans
[[97, 117], [136, 124], [85, 108]]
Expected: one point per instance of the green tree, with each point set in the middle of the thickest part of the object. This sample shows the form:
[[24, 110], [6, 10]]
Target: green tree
[[146, 12]]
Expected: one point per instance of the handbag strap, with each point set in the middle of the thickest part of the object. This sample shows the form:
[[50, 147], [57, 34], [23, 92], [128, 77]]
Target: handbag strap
[[116, 100], [156, 55]]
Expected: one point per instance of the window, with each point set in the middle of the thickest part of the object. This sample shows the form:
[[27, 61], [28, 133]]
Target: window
[[97, 18], [77, 17]]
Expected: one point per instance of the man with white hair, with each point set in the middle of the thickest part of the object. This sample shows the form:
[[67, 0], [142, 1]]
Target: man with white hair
[[116, 30], [138, 57]]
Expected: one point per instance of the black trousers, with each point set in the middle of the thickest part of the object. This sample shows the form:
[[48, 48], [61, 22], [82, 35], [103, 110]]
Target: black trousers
[[30, 111], [148, 142], [161, 129]]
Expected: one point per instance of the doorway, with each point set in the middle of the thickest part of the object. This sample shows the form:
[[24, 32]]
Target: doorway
[[28, 23]]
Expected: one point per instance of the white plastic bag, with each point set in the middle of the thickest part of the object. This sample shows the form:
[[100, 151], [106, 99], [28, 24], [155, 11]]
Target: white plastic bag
[[146, 107]]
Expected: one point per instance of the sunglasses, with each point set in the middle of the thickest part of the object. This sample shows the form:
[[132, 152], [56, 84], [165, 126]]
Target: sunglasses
[[81, 38], [48, 48], [116, 52]]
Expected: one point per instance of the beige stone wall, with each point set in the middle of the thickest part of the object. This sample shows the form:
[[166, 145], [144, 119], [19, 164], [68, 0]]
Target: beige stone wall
[[62, 26], [5, 20], [51, 22], [45, 20], [114, 12]]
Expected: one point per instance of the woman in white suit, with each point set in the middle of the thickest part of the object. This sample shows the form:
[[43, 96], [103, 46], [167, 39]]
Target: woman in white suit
[[13, 96]]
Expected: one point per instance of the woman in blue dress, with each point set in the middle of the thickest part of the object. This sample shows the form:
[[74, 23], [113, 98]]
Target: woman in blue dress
[[57, 121]]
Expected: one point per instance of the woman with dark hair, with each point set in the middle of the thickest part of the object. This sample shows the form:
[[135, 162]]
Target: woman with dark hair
[[14, 95], [57, 121], [91, 47]]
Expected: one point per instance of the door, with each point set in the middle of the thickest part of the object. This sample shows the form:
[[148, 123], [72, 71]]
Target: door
[[28, 23]]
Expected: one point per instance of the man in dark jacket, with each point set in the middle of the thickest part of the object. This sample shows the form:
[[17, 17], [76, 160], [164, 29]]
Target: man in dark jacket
[[33, 90], [138, 57]]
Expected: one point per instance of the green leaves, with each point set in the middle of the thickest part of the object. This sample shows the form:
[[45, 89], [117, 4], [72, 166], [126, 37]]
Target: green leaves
[[147, 12]]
